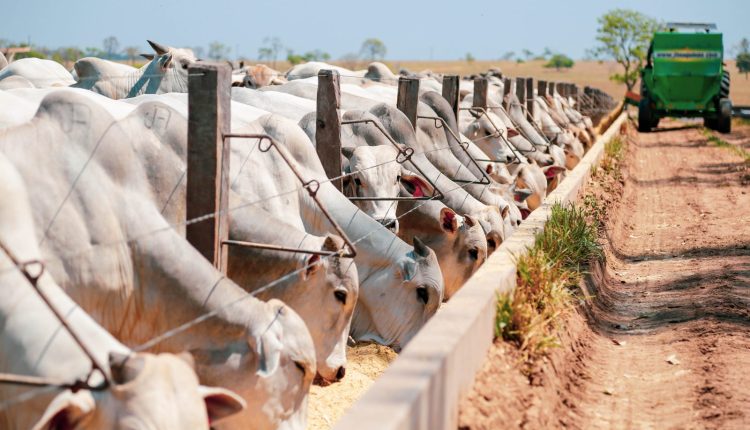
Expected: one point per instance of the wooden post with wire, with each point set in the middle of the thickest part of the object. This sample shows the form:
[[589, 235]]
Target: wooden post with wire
[[451, 92], [541, 88], [521, 90], [530, 98], [480, 92], [408, 98], [328, 125], [209, 117]]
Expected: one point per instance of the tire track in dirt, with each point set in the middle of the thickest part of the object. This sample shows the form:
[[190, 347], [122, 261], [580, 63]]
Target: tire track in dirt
[[675, 293], [665, 341]]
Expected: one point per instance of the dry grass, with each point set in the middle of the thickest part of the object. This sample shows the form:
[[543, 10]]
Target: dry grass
[[529, 317]]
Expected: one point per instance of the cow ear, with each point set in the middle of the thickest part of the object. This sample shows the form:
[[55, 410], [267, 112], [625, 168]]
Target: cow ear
[[220, 403], [415, 185], [67, 411], [469, 220], [312, 264], [504, 212], [512, 132], [448, 220], [489, 169], [167, 60], [521, 194], [347, 151], [149, 57], [158, 48], [552, 171]]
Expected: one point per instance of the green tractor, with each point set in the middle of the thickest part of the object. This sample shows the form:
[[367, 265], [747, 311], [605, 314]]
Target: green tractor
[[684, 76]]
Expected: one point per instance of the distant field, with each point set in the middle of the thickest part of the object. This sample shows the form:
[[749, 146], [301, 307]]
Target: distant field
[[593, 73]]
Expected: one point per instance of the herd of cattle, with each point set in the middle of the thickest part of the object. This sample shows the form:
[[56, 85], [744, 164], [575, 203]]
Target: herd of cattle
[[93, 221]]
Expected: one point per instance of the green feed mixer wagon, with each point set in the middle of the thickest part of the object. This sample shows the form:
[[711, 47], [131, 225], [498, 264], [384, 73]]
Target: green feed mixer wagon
[[684, 76]]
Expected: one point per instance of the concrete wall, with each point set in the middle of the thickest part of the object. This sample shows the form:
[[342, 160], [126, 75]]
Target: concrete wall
[[423, 386]]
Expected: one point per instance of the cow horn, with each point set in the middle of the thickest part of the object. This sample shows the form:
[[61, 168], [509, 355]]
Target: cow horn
[[420, 248], [159, 49], [148, 56], [124, 367]]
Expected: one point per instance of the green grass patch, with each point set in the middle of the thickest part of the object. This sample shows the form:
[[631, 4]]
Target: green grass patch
[[614, 152], [546, 278]]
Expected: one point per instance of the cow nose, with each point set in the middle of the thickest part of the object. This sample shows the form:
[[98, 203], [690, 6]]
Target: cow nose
[[340, 373], [509, 158]]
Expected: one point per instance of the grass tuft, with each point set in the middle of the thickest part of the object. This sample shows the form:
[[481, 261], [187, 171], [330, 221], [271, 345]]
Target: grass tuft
[[721, 143], [546, 276]]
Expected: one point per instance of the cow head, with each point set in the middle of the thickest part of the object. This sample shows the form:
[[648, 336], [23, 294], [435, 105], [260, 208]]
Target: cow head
[[399, 298], [489, 136], [147, 391], [170, 65], [463, 248], [326, 302]]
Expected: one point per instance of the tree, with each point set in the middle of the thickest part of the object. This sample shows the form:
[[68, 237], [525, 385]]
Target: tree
[[217, 51], [270, 50], [527, 54], [508, 56], [469, 57], [743, 56], [111, 46], [132, 53], [624, 35], [559, 61], [373, 49]]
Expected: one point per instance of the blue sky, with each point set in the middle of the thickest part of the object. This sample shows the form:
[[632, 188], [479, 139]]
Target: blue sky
[[410, 29]]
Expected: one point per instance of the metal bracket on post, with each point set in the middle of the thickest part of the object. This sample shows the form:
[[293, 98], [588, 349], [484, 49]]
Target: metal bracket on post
[[404, 155], [440, 123], [408, 98], [451, 92], [209, 116], [310, 186], [328, 125]]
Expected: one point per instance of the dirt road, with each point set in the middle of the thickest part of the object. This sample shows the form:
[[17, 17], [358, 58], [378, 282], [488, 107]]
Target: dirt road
[[665, 343]]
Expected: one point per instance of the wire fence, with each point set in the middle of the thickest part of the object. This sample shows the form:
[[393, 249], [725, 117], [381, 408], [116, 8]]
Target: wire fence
[[172, 226]]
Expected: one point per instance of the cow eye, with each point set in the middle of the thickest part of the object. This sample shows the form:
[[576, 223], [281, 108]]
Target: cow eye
[[422, 294], [185, 66], [474, 254], [358, 182], [398, 179], [300, 367], [340, 296]]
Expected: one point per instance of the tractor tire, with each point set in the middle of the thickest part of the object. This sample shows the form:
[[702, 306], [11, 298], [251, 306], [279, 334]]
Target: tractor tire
[[724, 120], [724, 92], [645, 119]]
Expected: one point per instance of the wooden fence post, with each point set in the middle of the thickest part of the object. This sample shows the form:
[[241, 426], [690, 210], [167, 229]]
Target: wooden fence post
[[451, 92], [209, 118], [551, 88], [507, 83], [521, 90], [574, 93], [530, 98], [408, 98], [541, 88], [480, 92], [328, 125]]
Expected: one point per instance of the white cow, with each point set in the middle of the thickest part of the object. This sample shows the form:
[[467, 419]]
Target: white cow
[[145, 390], [166, 72], [39, 72], [108, 241]]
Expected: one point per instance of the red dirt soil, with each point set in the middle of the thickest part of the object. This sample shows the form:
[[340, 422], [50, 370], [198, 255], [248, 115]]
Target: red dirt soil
[[664, 340]]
